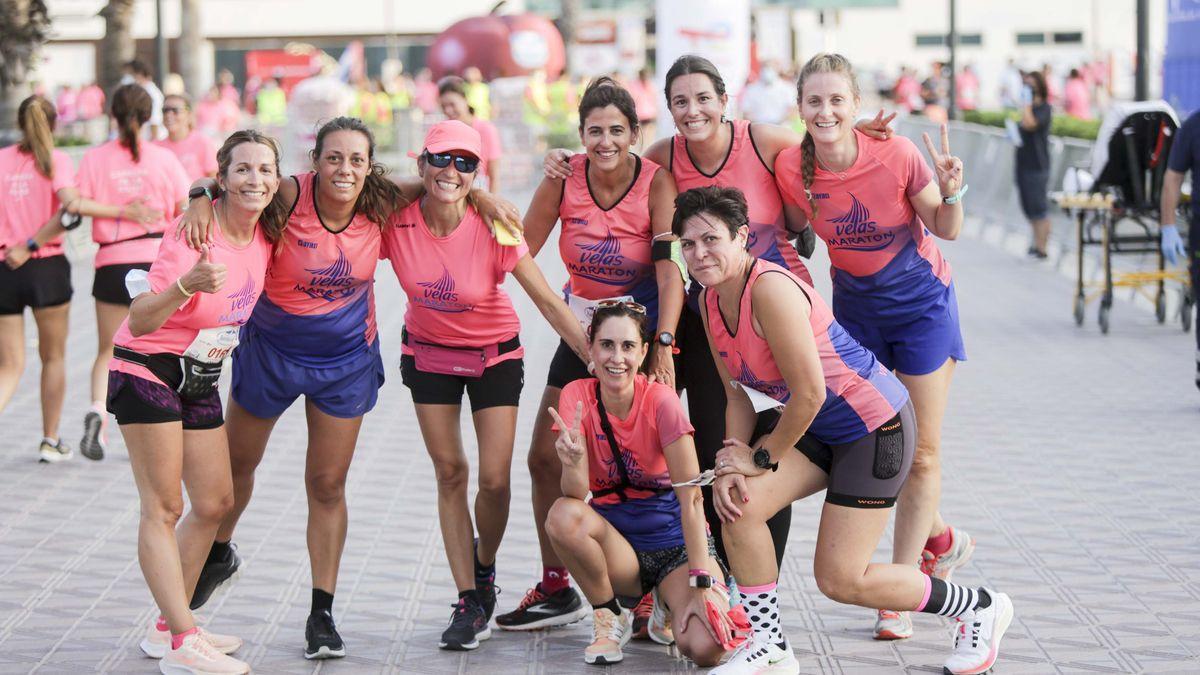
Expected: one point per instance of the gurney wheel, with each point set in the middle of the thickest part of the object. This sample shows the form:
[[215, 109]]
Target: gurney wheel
[[1160, 307], [1079, 307], [1104, 309]]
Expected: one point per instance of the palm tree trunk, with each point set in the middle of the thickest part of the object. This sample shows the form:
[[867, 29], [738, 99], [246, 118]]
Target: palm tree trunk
[[14, 17], [117, 46], [189, 46]]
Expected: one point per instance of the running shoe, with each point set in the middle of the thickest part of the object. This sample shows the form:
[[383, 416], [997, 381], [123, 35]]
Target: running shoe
[[467, 627], [157, 642], [487, 590], [215, 573], [753, 657], [610, 633], [891, 625], [321, 636], [943, 566], [660, 622], [977, 642], [641, 617], [49, 454], [541, 610], [198, 656], [92, 445]]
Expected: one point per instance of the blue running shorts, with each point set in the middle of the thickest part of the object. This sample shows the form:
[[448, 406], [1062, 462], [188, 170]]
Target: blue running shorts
[[919, 346]]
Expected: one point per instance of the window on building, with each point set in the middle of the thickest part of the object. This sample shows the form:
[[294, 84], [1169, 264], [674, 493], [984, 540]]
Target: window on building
[[931, 40], [970, 39], [1068, 38], [1031, 38]]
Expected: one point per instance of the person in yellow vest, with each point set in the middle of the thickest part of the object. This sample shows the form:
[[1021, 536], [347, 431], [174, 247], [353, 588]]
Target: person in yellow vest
[[271, 104], [478, 93]]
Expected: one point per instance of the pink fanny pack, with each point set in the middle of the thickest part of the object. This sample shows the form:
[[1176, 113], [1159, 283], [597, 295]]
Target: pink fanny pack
[[430, 357]]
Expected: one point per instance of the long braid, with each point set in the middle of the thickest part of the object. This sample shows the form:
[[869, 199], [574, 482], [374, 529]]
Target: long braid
[[808, 169]]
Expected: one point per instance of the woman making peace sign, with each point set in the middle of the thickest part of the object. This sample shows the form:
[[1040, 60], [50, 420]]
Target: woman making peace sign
[[875, 205]]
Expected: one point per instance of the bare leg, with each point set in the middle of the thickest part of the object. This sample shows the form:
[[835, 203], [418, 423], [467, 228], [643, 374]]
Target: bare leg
[[917, 516], [439, 428], [546, 471], [693, 639], [842, 565], [496, 429], [1041, 233], [331, 442], [601, 560], [210, 491], [52, 348], [108, 319], [248, 437], [12, 355]]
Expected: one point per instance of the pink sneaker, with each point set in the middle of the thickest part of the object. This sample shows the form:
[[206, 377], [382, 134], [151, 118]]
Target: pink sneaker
[[158, 642], [943, 566], [197, 656]]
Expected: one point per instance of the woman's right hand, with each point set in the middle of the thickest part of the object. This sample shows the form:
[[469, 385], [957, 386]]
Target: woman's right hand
[[205, 276], [569, 445], [557, 164], [196, 223], [729, 491], [136, 211]]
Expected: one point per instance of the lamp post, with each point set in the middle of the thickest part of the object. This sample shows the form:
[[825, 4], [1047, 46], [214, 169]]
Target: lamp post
[[952, 38], [1141, 77], [160, 46]]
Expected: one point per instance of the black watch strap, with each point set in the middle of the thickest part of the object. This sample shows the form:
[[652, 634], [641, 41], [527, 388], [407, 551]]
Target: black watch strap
[[762, 459]]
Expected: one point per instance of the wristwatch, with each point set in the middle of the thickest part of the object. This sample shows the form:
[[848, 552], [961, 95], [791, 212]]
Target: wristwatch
[[666, 339], [700, 581], [198, 192], [762, 459], [31, 245]]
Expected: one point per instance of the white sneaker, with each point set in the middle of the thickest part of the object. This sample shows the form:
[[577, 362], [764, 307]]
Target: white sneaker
[[52, 454], [977, 642], [891, 625], [659, 626], [943, 566], [610, 633], [157, 642], [197, 656], [754, 658]]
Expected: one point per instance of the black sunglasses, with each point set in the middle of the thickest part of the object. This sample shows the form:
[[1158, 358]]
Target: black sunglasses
[[462, 163]]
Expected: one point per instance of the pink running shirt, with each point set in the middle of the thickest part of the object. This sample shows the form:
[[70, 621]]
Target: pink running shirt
[[453, 283], [109, 175], [30, 198], [196, 153], [230, 306]]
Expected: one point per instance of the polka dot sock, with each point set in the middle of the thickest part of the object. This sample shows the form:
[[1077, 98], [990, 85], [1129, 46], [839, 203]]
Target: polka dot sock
[[762, 606]]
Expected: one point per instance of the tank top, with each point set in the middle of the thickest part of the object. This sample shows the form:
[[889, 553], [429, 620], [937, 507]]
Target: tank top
[[318, 303], [607, 251], [745, 170], [860, 394]]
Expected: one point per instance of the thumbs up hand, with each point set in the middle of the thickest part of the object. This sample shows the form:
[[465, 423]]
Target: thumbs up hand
[[205, 276]]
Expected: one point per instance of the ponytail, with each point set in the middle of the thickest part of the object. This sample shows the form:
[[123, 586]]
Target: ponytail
[[131, 106], [808, 168], [128, 133], [36, 117]]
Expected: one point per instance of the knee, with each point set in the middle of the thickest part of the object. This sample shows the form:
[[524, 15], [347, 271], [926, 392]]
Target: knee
[[838, 585], [452, 476], [326, 489], [544, 468], [565, 520], [213, 508], [926, 462], [162, 511], [494, 488], [12, 364], [696, 644]]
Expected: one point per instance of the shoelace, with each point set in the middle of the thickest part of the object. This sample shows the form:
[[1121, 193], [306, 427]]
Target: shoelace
[[606, 626], [928, 562], [531, 596], [888, 614], [203, 647], [645, 606]]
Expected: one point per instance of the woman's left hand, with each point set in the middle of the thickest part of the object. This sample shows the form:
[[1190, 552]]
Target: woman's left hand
[[736, 457], [949, 168], [697, 609], [663, 368], [494, 209]]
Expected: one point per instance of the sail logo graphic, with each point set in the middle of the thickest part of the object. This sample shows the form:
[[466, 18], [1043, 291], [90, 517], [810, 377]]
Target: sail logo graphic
[[855, 230], [777, 389], [241, 303], [330, 283], [602, 262], [439, 295]]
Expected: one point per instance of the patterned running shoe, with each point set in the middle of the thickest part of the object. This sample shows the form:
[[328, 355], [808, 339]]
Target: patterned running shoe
[[943, 566]]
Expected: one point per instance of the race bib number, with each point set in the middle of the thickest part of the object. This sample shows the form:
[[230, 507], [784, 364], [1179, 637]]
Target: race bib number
[[212, 345], [583, 309]]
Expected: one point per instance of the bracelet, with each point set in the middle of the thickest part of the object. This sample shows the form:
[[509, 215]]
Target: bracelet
[[957, 196], [699, 572], [179, 285]]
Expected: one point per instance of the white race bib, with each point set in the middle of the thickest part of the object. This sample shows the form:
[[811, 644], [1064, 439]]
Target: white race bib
[[759, 400], [583, 309], [212, 345]]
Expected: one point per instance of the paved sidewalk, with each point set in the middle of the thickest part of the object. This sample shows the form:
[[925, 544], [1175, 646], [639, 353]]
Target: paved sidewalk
[[1070, 456]]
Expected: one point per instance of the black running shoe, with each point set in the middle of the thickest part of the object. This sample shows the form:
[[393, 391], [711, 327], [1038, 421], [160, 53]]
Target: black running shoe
[[468, 626], [486, 586], [215, 573], [90, 445], [539, 610], [322, 637]]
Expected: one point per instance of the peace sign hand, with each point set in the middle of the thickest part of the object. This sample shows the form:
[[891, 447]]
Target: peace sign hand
[[569, 445], [949, 168]]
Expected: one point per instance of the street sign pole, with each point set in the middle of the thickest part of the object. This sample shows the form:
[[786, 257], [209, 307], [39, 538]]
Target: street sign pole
[[952, 40]]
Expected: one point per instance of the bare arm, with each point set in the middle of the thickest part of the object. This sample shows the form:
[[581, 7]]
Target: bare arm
[[551, 306], [572, 452], [149, 311], [770, 140], [944, 220], [666, 273], [659, 152], [1172, 188], [542, 214], [683, 466]]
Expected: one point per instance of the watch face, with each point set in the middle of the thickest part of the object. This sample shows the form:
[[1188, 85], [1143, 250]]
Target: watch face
[[762, 458], [666, 339]]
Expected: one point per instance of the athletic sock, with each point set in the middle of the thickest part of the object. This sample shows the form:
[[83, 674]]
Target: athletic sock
[[941, 543], [52, 442], [951, 600], [321, 602], [762, 606], [178, 638], [161, 624], [554, 579], [485, 575], [612, 605], [472, 594], [218, 552]]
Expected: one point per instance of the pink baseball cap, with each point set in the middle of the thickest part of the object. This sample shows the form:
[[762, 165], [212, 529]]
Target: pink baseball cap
[[452, 135]]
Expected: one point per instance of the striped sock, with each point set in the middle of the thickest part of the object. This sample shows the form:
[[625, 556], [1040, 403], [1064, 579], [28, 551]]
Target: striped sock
[[951, 600], [762, 606]]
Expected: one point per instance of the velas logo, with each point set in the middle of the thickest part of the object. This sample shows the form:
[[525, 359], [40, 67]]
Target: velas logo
[[439, 295], [601, 261], [776, 389], [855, 230], [241, 303], [330, 283]]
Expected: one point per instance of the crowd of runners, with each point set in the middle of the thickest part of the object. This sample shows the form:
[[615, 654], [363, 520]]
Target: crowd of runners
[[686, 273]]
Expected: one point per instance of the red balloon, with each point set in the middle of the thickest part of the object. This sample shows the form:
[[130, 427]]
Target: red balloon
[[499, 46]]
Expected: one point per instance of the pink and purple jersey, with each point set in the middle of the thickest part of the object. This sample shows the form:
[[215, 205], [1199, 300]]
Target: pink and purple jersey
[[884, 263], [30, 198], [230, 306], [319, 302], [744, 169], [607, 251], [453, 282], [860, 393], [196, 153], [108, 174]]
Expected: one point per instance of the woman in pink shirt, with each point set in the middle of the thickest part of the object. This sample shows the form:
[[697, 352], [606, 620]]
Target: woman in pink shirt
[[162, 388], [194, 150], [36, 181], [452, 97], [125, 171], [1076, 97], [461, 333]]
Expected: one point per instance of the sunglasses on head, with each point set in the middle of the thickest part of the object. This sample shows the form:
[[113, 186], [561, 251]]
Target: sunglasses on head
[[462, 163], [171, 109], [631, 305]]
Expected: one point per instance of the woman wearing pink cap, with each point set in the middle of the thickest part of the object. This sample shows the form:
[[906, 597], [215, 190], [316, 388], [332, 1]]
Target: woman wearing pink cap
[[461, 334]]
